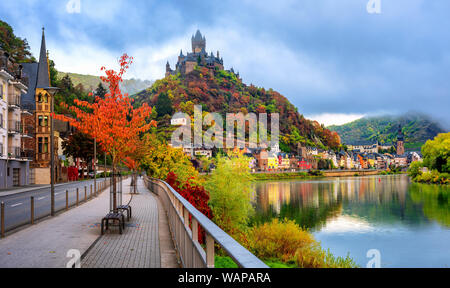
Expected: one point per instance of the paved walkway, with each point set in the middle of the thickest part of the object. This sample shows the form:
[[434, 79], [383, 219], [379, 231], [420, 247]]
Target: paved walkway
[[46, 243], [139, 245]]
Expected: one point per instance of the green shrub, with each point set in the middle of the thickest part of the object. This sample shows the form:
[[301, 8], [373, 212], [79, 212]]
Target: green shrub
[[287, 243], [230, 191]]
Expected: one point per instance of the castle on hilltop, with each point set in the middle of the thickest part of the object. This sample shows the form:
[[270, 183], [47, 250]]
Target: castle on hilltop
[[198, 57]]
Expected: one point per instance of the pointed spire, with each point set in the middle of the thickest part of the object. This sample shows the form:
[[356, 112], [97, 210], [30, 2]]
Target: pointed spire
[[198, 35], [181, 53], [43, 76]]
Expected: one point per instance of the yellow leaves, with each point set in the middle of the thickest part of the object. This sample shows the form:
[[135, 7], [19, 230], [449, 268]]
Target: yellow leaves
[[278, 239]]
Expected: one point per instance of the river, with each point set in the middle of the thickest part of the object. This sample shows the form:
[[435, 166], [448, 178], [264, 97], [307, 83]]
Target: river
[[408, 223]]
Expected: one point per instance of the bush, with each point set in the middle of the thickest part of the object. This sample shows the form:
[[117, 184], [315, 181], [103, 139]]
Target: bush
[[278, 240], [287, 242], [229, 187], [415, 169], [316, 257]]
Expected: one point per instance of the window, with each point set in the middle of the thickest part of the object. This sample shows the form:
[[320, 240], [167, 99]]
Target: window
[[39, 98], [46, 98], [42, 121], [43, 145]]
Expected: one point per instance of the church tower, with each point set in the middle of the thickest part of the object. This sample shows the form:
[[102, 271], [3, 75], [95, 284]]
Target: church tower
[[400, 142], [43, 100], [198, 42]]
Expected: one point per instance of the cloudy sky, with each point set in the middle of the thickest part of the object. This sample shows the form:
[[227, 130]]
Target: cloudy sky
[[332, 59]]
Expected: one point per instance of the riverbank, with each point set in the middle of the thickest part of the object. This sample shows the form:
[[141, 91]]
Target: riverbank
[[313, 174]]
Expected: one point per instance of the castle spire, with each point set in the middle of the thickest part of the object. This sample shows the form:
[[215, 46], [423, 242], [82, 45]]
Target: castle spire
[[43, 75]]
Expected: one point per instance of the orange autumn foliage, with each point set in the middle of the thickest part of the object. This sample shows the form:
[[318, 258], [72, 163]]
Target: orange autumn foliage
[[112, 120]]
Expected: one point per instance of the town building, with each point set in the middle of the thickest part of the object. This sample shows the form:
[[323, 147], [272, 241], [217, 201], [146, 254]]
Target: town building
[[14, 165], [400, 142], [39, 101]]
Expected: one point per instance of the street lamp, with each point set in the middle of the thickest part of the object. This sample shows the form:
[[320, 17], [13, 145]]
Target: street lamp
[[52, 91]]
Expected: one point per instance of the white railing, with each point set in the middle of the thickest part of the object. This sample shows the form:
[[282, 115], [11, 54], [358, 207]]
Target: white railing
[[184, 222]]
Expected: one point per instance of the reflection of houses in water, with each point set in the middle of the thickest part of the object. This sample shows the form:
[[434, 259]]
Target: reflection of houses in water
[[278, 194], [313, 203]]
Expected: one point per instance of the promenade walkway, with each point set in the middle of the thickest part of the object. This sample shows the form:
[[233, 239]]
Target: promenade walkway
[[145, 243]]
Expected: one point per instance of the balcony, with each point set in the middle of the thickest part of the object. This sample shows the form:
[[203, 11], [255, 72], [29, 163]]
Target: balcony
[[28, 131], [14, 127], [14, 152], [27, 154], [14, 102]]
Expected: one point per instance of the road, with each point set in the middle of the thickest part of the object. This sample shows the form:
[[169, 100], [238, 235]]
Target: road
[[18, 205]]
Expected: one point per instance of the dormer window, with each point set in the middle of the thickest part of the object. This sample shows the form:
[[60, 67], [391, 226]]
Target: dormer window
[[39, 98]]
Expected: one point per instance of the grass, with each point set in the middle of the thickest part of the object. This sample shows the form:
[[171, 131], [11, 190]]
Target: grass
[[224, 262], [227, 262]]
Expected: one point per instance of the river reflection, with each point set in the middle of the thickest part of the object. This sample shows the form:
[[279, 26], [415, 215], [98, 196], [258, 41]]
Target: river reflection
[[409, 223]]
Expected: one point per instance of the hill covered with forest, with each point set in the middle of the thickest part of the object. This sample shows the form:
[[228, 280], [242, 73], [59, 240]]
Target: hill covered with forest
[[223, 92], [417, 129], [90, 82]]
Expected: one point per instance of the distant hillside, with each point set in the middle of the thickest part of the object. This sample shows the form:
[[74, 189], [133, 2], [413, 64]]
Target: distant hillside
[[224, 92], [417, 129], [90, 82]]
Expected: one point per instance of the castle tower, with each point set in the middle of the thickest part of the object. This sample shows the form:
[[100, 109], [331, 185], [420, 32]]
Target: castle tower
[[168, 69], [400, 142], [198, 42]]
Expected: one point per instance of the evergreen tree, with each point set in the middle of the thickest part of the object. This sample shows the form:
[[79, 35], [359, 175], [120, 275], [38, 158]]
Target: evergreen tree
[[100, 91], [17, 47], [164, 105]]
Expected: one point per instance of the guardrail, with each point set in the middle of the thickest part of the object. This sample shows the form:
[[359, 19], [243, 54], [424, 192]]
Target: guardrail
[[184, 221], [11, 218]]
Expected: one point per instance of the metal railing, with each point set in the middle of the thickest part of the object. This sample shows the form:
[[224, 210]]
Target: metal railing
[[27, 154], [184, 222], [14, 126], [14, 100], [19, 211], [14, 152]]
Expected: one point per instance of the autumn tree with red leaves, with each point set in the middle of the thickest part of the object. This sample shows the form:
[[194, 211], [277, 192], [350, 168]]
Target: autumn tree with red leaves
[[112, 120]]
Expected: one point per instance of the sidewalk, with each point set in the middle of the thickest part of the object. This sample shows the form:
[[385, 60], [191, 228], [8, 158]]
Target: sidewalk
[[46, 243], [139, 246]]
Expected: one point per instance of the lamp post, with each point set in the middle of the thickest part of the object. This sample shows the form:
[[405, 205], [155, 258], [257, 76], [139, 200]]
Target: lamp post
[[95, 166], [52, 91]]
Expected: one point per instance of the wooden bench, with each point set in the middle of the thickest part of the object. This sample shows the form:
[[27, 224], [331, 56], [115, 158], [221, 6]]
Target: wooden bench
[[125, 208], [112, 216]]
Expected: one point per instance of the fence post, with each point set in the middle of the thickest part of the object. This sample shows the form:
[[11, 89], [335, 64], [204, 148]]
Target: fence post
[[194, 229], [32, 210], [3, 219], [85, 193], [67, 199], [77, 196], [90, 192], [209, 251]]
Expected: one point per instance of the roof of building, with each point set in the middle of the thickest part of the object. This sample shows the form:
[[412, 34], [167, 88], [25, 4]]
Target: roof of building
[[30, 71], [43, 80]]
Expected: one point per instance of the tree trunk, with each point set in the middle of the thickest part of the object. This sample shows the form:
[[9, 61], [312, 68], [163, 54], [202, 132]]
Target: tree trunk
[[114, 180]]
